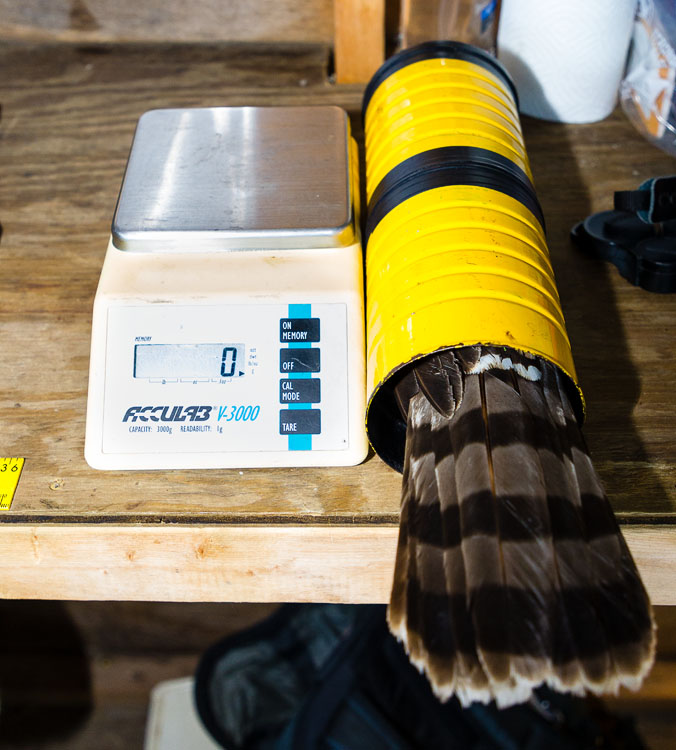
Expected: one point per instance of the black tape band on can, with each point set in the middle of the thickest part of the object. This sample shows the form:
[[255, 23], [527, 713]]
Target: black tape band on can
[[439, 158], [476, 175]]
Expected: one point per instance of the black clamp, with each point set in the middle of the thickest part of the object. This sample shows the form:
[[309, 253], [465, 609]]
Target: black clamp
[[639, 236]]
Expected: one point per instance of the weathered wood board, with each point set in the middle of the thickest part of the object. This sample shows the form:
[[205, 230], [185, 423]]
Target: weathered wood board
[[68, 116]]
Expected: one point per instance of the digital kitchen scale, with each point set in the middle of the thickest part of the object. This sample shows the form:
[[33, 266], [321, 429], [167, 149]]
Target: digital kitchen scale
[[228, 326]]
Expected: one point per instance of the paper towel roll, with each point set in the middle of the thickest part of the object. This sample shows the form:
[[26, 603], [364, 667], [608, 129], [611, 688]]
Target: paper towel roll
[[567, 57]]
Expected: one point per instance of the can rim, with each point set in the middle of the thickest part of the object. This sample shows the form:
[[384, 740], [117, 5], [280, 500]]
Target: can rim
[[434, 50], [386, 427]]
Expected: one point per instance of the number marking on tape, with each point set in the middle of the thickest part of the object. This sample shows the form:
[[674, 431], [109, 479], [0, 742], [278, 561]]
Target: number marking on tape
[[10, 471]]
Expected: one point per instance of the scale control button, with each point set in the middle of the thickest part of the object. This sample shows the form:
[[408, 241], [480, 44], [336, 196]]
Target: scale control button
[[299, 391], [299, 360], [300, 422], [298, 330]]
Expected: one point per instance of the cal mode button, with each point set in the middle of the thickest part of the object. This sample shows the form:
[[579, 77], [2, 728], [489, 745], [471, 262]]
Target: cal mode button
[[299, 391]]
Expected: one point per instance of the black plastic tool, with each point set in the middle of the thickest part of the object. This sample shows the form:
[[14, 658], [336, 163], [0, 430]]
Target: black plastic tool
[[639, 236]]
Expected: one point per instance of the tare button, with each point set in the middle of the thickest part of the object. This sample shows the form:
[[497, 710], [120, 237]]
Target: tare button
[[300, 422], [298, 330], [299, 391], [299, 360]]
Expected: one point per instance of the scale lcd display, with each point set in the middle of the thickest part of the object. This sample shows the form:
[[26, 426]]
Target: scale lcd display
[[169, 361]]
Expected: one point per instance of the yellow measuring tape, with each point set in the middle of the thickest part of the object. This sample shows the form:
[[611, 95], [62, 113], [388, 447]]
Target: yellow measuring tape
[[10, 471]]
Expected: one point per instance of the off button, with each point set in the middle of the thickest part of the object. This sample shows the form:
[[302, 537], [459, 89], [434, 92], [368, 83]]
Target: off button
[[299, 360], [300, 422]]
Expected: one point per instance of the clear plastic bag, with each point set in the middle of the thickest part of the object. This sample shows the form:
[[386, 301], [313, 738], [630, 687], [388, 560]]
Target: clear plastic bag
[[647, 90], [470, 21]]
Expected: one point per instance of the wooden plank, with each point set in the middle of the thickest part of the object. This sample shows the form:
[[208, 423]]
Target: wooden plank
[[359, 39], [67, 122], [63, 157], [64, 150], [86, 21], [238, 563], [188, 563], [654, 549]]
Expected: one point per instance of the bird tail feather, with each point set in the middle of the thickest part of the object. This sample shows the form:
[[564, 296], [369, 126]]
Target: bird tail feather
[[511, 570]]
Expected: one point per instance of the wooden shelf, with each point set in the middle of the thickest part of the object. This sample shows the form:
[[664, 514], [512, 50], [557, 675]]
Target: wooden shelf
[[68, 116]]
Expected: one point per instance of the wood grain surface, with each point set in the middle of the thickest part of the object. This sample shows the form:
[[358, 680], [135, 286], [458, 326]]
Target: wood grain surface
[[359, 43], [238, 563], [85, 21], [68, 116]]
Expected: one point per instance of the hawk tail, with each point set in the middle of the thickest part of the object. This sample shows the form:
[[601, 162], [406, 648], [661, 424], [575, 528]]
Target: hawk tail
[[511, 570]]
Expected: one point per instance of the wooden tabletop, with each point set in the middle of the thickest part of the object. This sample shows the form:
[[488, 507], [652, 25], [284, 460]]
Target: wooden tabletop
[[68, 116]]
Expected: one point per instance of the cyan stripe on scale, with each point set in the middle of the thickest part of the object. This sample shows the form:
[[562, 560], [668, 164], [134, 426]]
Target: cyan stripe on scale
[[299, 442]]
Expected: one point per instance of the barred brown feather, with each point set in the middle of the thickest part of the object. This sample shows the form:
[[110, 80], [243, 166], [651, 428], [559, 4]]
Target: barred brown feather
[[511, 570]]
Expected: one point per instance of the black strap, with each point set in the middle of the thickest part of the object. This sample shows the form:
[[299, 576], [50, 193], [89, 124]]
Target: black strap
[[334, 683], [654, 201], [632, 200]]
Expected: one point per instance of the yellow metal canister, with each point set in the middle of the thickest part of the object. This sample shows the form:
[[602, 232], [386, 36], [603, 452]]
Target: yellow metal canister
[[456, 251]]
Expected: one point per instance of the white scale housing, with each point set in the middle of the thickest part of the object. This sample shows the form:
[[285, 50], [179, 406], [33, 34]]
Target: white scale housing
[[228, 326]]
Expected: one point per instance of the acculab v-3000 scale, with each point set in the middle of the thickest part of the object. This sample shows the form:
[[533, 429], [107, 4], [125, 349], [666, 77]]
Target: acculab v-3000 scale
[[228, 326]]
